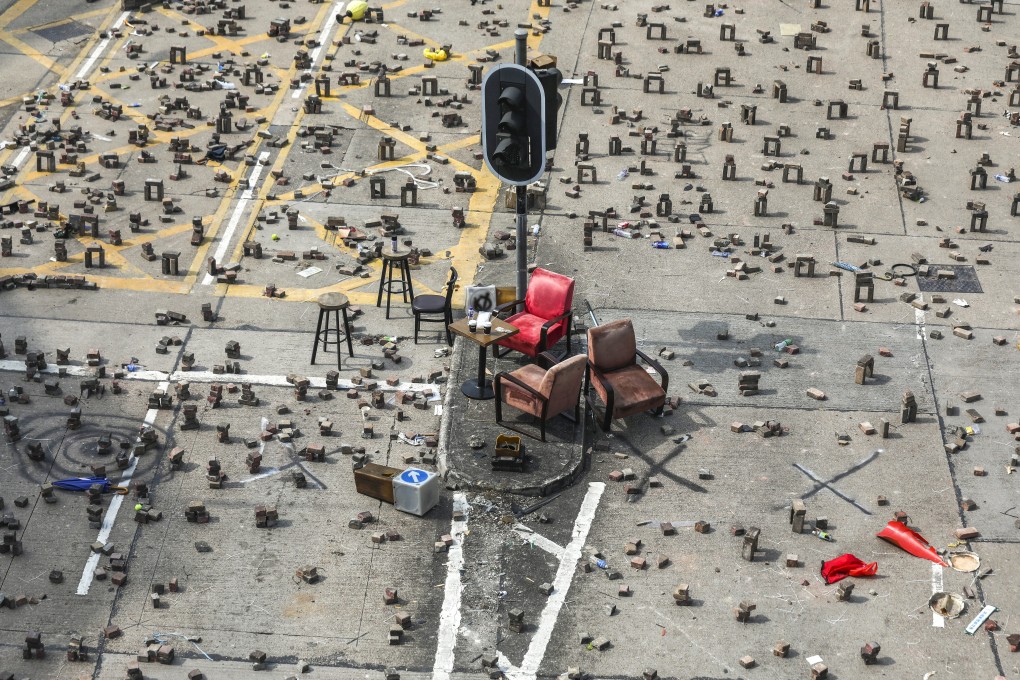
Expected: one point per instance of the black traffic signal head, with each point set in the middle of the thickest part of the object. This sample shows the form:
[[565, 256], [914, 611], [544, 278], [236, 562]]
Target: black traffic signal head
[[513, 124], [551, 79]]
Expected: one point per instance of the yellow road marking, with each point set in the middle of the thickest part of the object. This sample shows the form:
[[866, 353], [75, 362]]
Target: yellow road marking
[[221, 212], [284, 153], [460, 143], [32, 53], [376, 124], [403, 30], [14, 11], [464, 254], [6, 18]]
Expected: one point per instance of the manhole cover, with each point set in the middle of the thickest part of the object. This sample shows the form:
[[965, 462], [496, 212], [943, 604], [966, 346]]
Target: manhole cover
[[61, 32], [964, 279]]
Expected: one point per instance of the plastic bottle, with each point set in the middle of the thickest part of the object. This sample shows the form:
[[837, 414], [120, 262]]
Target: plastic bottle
[[623, 233], [780, 346], [660, 244], [600, 563], [472, 322], [822, 535]]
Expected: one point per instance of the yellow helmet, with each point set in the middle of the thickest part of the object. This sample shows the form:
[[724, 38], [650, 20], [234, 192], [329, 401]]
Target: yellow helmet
[[356, 10], [436, 55]]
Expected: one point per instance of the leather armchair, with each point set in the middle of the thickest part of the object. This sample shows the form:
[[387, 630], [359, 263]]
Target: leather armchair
[[541, 393], [544, 317], [613, 371]]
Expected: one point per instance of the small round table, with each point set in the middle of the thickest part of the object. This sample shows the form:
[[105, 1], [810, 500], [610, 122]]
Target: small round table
[[481, 387], [335, 304], [395, 282]]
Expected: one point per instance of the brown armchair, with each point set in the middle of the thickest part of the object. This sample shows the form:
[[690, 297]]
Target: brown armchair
[[540, 392], [623, 385]]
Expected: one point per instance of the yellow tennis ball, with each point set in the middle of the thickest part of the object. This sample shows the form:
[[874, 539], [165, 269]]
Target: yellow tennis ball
[[138, 506]]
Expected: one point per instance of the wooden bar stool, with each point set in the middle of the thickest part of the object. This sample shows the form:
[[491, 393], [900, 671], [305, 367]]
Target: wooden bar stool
[[326, 334], [398, 281]]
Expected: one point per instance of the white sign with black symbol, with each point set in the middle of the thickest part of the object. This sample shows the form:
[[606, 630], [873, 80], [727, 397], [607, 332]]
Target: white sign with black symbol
[[480, 298]]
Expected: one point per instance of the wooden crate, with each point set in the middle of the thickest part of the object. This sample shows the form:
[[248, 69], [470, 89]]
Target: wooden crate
[[376, 481]]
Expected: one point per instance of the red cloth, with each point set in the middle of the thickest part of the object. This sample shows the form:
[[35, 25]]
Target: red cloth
[[846, 565]]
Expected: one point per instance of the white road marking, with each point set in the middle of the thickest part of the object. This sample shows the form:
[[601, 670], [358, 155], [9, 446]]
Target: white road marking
[[449, 618], [235, 217], [86, 66], [323, 35], [540, 541], [504, 665], [111, 512], [937, 620], [20, 158], [266, 472], [561, 584], [210, 377], [100, 48]]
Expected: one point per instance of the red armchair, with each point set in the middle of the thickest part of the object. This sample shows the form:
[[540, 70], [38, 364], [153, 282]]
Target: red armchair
[[622, 384], [545, 317]]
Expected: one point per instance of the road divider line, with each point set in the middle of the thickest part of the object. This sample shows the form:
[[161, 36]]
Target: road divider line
[[937, 620], [323, 35], [540, 541], [235, 217], [98, 50], [110, 517], [210, 377], [561, 583], [449, 617]]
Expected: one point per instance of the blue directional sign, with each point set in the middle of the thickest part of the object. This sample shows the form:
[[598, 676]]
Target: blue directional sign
[[414, 476]]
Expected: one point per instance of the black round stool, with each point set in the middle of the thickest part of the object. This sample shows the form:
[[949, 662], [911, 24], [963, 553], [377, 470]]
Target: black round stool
[[395, 282], [332, 303]]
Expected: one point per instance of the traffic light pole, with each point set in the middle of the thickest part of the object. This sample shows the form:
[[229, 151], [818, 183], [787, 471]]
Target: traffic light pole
[[522, 242], [521, 35]]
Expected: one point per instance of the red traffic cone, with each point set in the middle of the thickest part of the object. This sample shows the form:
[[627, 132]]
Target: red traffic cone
[[905, 538]]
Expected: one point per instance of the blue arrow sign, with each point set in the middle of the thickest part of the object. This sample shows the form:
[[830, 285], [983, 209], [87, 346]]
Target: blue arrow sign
[[414, 476]]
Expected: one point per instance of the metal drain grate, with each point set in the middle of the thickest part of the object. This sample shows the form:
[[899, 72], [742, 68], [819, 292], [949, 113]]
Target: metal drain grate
[[965, 281], [67, 31]]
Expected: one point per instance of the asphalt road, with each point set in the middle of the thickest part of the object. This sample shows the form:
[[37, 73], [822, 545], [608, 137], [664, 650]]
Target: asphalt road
[[294, 176]]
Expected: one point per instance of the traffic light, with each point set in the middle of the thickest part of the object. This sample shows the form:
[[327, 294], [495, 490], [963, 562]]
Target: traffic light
[[513, 124], [551, 79]]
